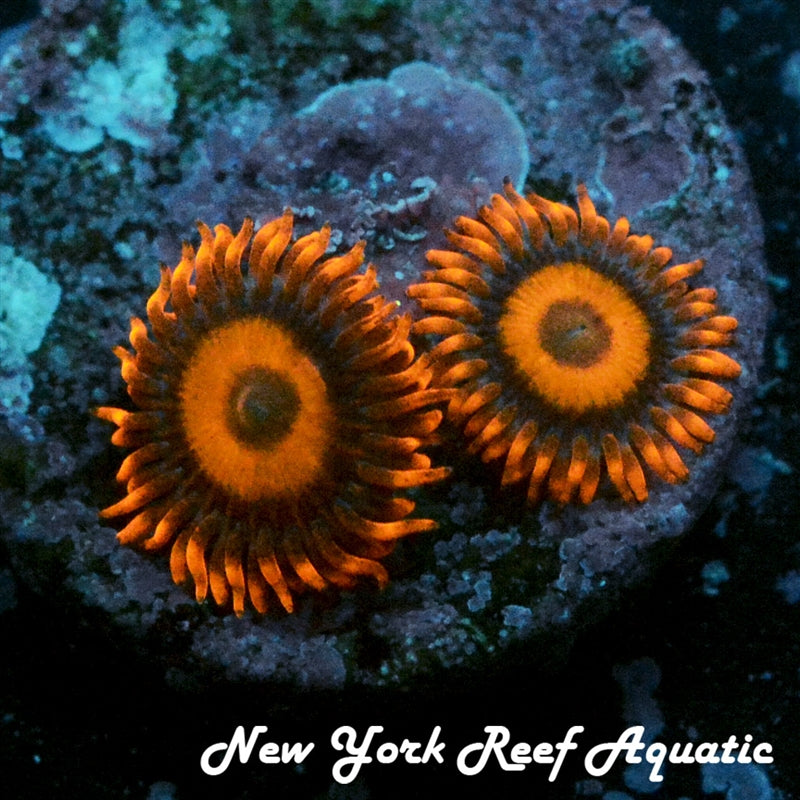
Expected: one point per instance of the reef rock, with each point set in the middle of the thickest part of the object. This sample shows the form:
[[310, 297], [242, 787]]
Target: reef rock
[[551, 93]]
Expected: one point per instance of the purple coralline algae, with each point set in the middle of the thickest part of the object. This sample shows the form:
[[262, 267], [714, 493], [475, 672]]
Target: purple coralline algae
[[115, 141], [388, 161]]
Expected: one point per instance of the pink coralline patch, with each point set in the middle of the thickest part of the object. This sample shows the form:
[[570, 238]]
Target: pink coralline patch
[[663, 163], [389, 161], [418, 122]]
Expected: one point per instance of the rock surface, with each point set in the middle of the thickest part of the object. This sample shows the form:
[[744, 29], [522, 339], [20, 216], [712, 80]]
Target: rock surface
[[603, 94]]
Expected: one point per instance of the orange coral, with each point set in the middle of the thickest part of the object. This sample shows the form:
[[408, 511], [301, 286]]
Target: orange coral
[[573, 349], [280, 414]]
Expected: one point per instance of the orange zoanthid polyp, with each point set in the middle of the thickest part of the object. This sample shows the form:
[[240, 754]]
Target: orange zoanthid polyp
[[250, 470], [279, 417], [577, 356], [577, 336]]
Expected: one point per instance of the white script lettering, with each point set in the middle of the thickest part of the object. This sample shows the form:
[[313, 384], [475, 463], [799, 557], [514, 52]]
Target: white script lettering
[[269, 753], [521, 753], [345, 738]]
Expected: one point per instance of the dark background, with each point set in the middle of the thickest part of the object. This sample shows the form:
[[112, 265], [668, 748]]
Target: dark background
[[84, 715]]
